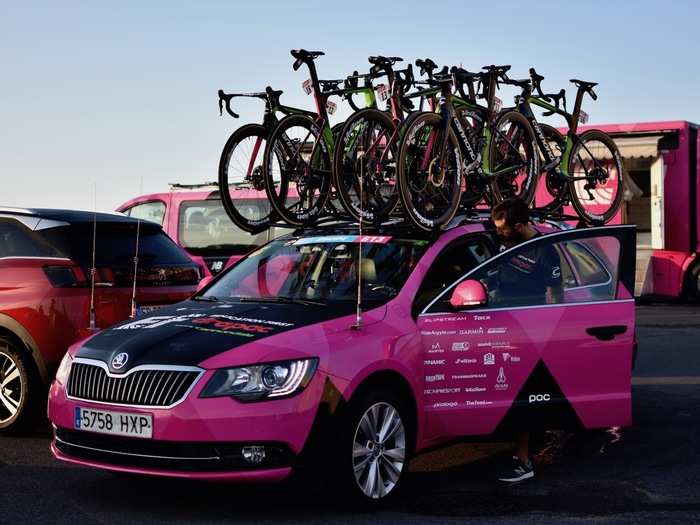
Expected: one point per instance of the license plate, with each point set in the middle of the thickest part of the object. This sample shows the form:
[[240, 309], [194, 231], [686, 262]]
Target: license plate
[[115, 423], [149, 308]]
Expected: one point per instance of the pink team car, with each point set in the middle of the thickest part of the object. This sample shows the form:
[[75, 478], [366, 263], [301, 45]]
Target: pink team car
[[271, 366]]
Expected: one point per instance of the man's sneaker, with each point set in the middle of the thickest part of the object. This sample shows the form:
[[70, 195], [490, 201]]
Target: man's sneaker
[[517, 471]]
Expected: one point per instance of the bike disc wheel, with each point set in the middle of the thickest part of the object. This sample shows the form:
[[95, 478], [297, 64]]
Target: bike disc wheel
[[241, 181], [364, 166], [429, 193], [596, 176], [513, 158], [298, 157]]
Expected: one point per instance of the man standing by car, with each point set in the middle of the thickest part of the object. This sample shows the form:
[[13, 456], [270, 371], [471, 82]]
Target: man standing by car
[[530, 277]]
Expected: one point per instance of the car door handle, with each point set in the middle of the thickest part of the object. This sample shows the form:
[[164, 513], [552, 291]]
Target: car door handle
[[606, 333]]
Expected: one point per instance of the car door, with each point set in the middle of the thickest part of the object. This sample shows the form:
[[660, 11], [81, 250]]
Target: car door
[[521, 362]]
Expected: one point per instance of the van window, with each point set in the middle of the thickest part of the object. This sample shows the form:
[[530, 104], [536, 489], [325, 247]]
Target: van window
[[205, 229], [148, 211]]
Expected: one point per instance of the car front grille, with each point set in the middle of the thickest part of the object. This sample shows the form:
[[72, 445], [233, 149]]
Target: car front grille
[[151, 387]]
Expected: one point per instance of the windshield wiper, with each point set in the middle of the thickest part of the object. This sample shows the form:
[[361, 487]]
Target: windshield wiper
[[280, 300], [207, 298]]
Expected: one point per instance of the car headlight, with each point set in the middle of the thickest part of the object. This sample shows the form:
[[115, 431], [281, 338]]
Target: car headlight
[[258, 382], [64, 369]]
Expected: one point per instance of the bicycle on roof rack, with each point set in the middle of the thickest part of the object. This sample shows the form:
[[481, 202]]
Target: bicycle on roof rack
[[364, 164], [584, 169], [241, 174], [465, 152]]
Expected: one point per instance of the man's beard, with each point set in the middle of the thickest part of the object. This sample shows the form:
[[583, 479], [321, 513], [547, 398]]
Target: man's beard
[[511, 240]]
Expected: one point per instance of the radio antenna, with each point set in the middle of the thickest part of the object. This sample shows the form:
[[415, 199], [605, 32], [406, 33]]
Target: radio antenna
[[93, 270], [136, 267], [358, 311]]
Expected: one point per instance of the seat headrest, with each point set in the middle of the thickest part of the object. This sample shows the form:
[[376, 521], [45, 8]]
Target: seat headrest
[[368, 270]]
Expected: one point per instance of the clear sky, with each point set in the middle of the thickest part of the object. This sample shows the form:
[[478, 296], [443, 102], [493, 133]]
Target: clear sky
[[123, 94]]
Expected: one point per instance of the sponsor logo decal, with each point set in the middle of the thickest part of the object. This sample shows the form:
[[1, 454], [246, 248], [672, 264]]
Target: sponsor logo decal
[[434, 378], [438, 332], [482, 317], [465, 361], [497, 330], [120, 360], [469, 376], [501, 380], [510, 357], [445, 404], [472, 331], [472, 389], [432, 391], [538, 398], [477, 403], [435, 349], [490, 359], [460, 346], [434, 362]]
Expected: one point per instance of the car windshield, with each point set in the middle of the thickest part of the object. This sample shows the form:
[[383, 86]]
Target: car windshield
[[322, 270]]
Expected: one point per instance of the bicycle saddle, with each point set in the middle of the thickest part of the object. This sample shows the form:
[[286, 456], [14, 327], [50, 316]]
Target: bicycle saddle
[[382, 61], [496, 69], [426, 66], [303, 54], [464, 75], [583, 83]]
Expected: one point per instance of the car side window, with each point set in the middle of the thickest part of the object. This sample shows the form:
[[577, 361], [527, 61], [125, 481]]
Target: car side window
[[450, 265], [16, 240], [547, 270], [148, 211]]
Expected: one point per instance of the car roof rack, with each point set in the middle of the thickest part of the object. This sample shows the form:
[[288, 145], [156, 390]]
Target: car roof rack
[[201, 185]]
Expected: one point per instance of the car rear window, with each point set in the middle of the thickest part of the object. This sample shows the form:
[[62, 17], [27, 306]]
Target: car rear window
[[160, 260], [205, 229]]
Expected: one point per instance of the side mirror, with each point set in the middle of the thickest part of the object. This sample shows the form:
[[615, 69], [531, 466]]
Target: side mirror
[[468, 294], [205, 281]]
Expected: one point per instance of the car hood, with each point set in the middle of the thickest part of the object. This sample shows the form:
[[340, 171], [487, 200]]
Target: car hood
[[189, 333]]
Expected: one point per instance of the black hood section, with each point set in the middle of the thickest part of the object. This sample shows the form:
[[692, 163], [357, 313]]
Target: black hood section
[[191, 332]]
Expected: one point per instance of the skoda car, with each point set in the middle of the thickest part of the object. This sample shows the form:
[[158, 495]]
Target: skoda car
[[358, 350]]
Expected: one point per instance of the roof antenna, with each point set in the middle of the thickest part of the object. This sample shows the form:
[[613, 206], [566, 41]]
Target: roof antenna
[[136, 266], [93, 324], [358, 312]]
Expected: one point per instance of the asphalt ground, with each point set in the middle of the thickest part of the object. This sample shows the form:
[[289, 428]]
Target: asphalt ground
[[648, 473]]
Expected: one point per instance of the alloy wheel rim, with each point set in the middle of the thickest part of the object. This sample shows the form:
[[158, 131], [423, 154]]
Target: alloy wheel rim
[[11, 388], [379, 450]]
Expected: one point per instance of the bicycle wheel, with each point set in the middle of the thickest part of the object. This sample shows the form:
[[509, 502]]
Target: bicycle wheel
[[550, 178], [429, 193], [513, 158], [366, 151], [241, 182], [298, 157], [596, 177]]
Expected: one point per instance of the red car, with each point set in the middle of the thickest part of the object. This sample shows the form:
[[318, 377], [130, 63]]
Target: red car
[[45, 291]]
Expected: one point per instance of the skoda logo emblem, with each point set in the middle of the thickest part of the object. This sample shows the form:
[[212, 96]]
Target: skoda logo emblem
[[120, 360]]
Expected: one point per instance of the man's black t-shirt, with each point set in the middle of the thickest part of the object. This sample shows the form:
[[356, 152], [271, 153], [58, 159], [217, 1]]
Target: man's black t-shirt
[[524, 277]]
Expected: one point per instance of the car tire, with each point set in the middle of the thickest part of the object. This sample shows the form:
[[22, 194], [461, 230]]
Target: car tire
[[370, 469], [19, 388], [692, 282]]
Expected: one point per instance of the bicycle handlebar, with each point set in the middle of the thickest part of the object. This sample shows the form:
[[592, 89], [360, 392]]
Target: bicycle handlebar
[[226, 99]]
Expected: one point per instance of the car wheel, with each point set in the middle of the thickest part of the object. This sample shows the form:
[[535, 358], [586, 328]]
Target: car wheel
[[17, 388], [374, 448], [692, 283]]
